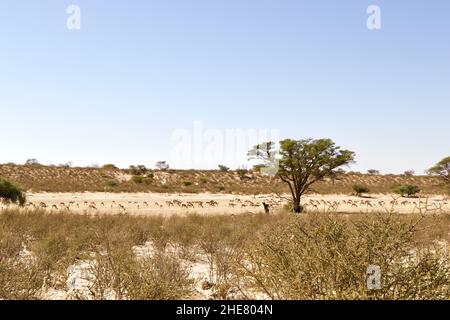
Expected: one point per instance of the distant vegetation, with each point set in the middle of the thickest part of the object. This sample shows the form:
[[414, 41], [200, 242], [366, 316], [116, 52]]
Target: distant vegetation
[[31, 162], [359, 190], [162, 165], [109, 166], [242, 173], [244, 181], [138, 170], [406, 190], [187, 183], [223, 168], [408, 173]]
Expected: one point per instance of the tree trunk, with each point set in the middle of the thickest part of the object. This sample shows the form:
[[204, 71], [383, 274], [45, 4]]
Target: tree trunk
[[297, 206]]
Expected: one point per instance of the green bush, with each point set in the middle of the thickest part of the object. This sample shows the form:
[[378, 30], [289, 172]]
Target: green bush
[[11, 193], [407, 190], [137, 179], [111, 183], [141, 179], [187, 183], [359, 189], [138, 170]]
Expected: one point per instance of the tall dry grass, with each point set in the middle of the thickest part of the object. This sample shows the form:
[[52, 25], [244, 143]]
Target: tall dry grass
[[280, 256]]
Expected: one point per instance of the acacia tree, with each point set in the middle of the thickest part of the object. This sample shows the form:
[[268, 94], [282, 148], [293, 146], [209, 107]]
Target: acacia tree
[[441, 169], [162, 165], [301, 163]]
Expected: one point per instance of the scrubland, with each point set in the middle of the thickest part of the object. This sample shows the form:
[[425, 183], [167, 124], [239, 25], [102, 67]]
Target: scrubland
[[251, 256]]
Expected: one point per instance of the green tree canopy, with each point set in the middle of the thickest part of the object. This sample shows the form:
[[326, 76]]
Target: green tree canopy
[[11, 193]]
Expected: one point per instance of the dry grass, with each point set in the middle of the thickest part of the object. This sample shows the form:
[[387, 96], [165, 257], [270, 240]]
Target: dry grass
[[313, 256], [40, 178]]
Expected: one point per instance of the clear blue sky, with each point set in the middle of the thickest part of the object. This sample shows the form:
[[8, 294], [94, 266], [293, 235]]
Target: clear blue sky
[[116, 90]]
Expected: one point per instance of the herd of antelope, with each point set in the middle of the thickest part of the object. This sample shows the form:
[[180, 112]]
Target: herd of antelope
[[374, 204], [92, 205], [124, 207]]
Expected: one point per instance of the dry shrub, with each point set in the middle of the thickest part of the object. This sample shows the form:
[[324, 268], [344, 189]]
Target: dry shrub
[[116, 273], [327, 256], [108, 273], [20, 278], [25, 284], [159, 277], [222, 241], [120, 275], [51, 250], [112, 257]]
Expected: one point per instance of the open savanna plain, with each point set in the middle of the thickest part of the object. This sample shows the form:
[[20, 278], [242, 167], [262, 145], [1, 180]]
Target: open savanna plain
[[92, 233]]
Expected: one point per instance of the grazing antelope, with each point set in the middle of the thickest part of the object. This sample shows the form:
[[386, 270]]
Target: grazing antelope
[[212, 203], [169, 203]]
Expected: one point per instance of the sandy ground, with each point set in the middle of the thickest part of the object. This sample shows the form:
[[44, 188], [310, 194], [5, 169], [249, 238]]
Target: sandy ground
[[181, 204], [80, 278]]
